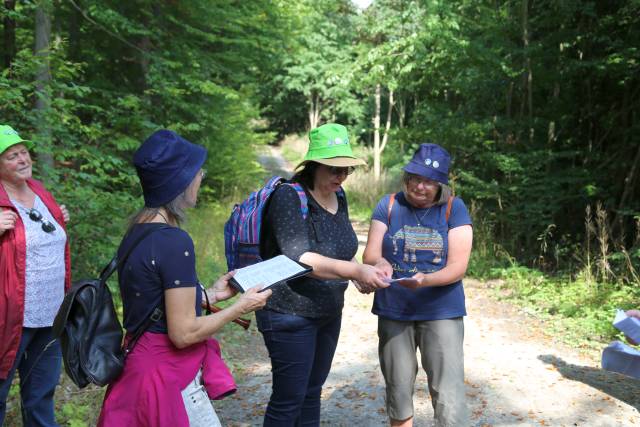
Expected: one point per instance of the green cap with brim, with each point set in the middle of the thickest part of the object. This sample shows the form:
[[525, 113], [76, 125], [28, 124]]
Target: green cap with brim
[[329, 145], [9, 137]]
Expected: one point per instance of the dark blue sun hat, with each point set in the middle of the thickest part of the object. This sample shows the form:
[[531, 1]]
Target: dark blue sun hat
[[166, 164], [430, 161]]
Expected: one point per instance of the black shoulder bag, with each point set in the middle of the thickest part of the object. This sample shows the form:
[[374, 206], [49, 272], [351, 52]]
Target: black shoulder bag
[[89, 329]]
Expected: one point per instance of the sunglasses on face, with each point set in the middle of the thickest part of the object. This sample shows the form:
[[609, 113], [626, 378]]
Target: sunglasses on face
[[36, 216], [338, 170]]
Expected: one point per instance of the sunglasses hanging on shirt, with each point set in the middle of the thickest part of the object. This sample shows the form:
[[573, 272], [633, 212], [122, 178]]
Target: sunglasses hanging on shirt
[[36, 216]]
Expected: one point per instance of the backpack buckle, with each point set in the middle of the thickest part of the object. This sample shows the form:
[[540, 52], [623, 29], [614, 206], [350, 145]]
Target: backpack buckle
[[156, 315]]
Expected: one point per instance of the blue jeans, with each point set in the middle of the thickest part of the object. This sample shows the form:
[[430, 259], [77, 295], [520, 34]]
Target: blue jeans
[[301, 351], [39, 367]]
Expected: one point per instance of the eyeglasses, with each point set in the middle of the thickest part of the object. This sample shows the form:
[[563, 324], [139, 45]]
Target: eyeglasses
[[36, 216], [417, 180], [338, 170]]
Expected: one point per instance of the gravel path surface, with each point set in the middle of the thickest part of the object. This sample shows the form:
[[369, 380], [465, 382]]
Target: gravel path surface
[[516, 375]]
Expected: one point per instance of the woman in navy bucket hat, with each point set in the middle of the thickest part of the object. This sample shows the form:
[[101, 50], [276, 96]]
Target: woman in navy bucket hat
[[430, 161], [423, 235], [175, 360]]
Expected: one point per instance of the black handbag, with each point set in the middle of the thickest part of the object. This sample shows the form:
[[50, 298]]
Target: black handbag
[[89, 329]]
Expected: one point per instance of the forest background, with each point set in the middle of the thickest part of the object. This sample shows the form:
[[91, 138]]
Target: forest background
[[537, 101]]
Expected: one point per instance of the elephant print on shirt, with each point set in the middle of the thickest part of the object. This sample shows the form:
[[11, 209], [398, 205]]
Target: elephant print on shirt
[[418, 239]]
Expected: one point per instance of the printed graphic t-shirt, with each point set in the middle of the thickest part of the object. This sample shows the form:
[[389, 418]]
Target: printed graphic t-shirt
[[417, 242]]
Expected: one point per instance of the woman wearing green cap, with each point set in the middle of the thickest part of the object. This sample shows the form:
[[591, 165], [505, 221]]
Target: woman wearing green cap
[[34, 275], [301, 321]]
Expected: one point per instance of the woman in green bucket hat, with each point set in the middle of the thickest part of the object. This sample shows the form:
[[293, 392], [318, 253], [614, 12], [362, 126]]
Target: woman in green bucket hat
[[301, 321], [34, 275]]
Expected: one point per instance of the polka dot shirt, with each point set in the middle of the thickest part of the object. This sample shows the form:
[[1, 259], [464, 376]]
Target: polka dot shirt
[[163, 260], [286, 232]]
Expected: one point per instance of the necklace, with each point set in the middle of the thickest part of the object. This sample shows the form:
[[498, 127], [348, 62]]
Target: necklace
[[423, 215], [322, 204], [163, 217]]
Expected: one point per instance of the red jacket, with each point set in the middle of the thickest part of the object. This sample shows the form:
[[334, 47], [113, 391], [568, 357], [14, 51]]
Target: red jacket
[[13, 259]]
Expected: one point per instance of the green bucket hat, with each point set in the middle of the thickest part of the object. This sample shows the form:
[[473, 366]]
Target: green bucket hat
[[9, 137], [329, 145]]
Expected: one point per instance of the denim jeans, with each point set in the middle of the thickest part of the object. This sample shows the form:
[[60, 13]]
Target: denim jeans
[[301, 351], [39, 367]]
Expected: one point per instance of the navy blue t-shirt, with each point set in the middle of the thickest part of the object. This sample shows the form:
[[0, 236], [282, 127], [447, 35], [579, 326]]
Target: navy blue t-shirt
[[165, 259], [417, 242]]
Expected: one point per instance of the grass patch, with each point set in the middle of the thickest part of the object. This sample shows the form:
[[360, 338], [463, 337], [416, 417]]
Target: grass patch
[[364, 191], [578, 312]]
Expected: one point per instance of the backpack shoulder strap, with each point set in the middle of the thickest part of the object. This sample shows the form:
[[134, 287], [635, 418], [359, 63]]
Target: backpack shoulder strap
[[113, 265], [392, 200], [155, 315], [448, 213], [304, 202]]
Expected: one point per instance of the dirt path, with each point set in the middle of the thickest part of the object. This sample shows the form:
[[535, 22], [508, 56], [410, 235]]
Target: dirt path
[[273, 162], [516, 375]]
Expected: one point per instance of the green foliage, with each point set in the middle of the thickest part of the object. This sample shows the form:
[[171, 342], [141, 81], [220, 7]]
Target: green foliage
[[205, 225], [119, 72], [317, 72]]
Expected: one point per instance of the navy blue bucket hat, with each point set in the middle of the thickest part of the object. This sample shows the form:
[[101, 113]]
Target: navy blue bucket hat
[[430, 161], [166, 164]]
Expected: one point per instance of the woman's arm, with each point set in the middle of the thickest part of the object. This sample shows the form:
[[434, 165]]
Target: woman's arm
[[460, 241], [330, 268], [373, 250], [185, 328], [292, 237]]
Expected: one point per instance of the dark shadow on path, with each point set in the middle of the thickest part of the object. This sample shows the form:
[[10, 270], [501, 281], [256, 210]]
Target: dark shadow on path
[[623, 388]]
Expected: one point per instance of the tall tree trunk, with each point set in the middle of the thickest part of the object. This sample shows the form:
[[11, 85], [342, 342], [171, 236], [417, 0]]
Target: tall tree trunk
[[629, 180], [376, 135], [402, 111], [311, 112], [314, 110], [529, 72], [146, 45], [9, 34], [75, 37], [387, 126], [43, 81], [509, 100], [627, 122]]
